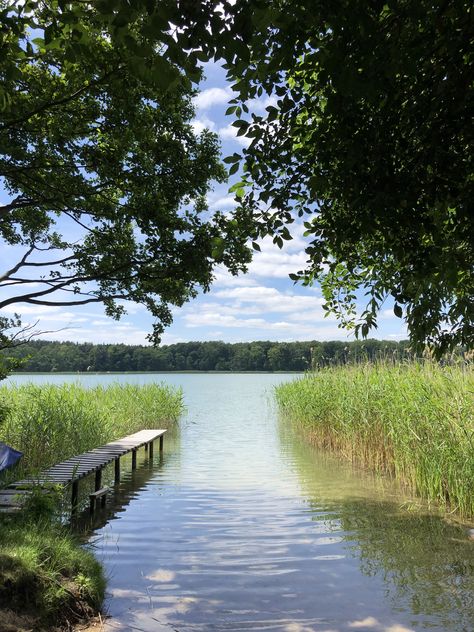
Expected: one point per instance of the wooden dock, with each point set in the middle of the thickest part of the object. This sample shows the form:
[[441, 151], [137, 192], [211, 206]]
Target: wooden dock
[[71, 471]]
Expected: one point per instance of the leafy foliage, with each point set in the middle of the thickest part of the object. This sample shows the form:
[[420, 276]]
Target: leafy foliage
[[44, 356], [369, 139], [106, 177]]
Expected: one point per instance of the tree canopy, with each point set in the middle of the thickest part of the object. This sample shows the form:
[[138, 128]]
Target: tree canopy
[[369, 138], [107, 180], [214, 355]]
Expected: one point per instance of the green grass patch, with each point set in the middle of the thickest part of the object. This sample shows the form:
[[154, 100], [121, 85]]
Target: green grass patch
[[50, 423], [413, 421], [45, 574]]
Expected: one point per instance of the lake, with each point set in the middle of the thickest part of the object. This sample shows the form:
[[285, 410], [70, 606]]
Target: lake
[[240, 525]]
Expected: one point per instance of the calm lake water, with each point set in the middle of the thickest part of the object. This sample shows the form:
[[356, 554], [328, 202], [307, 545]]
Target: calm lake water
[[242, 526]]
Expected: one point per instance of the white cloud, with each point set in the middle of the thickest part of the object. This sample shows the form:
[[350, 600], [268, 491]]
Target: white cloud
[[227, 201], [171, 339], [30, 310], [225, 320], [211, 97], [202, 123], [260, 328], [388, 314], [223, 278], [260, 312], [258, 106], [276, 264], [400, 336], [270, 300], [229, 132], [126, 333]]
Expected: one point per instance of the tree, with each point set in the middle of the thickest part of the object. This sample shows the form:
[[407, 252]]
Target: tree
[[106, 178], [370, 140], [12, 336]]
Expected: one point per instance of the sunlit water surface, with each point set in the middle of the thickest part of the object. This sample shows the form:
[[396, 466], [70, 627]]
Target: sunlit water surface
[[242, 526]]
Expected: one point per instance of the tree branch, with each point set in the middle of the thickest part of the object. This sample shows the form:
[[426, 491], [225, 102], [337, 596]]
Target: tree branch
[[96, 299], [19, 265], [53, 104], [38, 264], [18, 202], [23, 263], [26, 298]]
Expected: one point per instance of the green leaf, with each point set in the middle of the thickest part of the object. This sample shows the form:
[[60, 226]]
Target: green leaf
[[231, 159]]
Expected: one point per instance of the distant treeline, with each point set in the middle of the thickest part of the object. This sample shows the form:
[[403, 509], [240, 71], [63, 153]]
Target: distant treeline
[[203, 356]]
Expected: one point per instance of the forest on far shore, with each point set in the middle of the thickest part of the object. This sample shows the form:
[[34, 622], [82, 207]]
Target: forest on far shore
[[46, 356]]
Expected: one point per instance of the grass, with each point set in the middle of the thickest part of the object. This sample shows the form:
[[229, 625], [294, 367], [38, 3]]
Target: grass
[[412, 421], [45, 575], [50, 423]]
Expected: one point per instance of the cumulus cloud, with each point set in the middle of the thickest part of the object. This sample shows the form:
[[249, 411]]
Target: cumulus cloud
[[270, 300], [212, 96], [223, 278], [225, 202], [276, 264], [202, 123], [258, 106], [256, 312], [104, 333], [229, 132], [247, 329]]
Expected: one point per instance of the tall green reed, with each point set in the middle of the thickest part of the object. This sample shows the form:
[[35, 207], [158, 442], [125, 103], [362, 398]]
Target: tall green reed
[[50, 423], [413, 421]]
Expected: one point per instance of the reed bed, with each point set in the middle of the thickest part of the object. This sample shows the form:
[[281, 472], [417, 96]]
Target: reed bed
[[50, 423], [413, 421]]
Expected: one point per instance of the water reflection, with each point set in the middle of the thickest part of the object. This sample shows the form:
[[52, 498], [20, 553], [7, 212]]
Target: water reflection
[[244, 527], [132, 482], [425, 559]]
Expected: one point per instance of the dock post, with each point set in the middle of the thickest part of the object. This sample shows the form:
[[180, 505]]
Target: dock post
[[150, 452], [161, 443], [117, 470], [75, 496], [98, 479], [134, 459]]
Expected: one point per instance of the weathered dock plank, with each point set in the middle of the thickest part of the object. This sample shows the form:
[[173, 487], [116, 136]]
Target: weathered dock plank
[[70, 471]]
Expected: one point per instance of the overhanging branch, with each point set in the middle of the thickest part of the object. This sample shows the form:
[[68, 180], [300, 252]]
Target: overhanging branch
[[95, 299]]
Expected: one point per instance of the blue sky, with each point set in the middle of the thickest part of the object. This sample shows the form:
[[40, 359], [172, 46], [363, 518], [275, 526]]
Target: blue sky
[[263, 304]]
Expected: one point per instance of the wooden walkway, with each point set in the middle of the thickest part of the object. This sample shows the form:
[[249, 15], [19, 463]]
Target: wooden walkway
[[71, 471]]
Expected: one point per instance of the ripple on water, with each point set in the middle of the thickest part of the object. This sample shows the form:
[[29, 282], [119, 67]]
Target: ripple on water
[[241, 526]]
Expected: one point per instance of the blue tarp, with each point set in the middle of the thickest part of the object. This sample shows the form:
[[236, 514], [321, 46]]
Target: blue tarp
[[8, 456]]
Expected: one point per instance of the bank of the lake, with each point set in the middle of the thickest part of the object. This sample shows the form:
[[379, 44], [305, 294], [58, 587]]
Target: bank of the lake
[[413, 421], [47, 578]]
